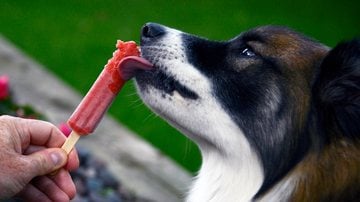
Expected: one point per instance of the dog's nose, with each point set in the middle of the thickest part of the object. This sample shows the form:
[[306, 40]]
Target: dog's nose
[[152, 30]]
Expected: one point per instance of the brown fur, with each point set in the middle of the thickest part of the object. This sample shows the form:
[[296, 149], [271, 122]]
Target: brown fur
[[333, 174], [330, 172]]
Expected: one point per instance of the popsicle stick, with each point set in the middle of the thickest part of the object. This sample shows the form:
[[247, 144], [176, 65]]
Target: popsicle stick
[[70, 142], [68, 146]]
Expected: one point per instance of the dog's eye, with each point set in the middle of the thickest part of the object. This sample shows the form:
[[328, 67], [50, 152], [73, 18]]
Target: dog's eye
[[247, 52]]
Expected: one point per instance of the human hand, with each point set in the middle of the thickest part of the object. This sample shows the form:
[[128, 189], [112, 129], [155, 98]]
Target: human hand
[[29, 150]]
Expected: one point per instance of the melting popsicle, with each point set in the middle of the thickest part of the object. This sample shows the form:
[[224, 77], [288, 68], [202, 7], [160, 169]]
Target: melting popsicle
[[121, 67]]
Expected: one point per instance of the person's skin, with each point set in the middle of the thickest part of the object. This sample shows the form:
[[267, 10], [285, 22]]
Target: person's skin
[[29, 151]]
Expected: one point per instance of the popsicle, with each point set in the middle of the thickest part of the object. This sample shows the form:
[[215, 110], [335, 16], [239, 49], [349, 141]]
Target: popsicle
[[121, 67]]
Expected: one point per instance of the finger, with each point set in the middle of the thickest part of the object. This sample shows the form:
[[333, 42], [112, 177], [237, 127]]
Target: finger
[[50, 188], [32, 194], [32, 149], [73, 158], [73, 161], [64, 181], [45, 161], [38, 132]]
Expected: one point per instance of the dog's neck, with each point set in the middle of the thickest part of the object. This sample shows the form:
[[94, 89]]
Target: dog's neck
[[227, 178], [222, 179]]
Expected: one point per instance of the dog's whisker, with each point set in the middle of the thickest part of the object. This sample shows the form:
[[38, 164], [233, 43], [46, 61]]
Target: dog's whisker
[[149, 117], [137, 105], [134, 94], [187, 148]]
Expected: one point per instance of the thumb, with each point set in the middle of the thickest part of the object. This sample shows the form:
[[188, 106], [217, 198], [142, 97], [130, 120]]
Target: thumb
[[46, 161]]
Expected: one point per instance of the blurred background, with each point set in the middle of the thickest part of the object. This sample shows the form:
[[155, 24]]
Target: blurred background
[[74, 40]]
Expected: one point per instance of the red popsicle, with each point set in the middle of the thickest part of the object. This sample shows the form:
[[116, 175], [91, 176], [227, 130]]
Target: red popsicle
[[121, 67]]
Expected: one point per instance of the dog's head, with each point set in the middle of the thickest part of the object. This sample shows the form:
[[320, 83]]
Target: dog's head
[[253, 91]]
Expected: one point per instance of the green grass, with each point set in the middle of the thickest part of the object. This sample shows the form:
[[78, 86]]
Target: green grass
[[75, 38]]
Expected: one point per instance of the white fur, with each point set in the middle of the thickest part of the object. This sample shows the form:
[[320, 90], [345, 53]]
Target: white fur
[[282, 191], [226, 178], [231, 170]]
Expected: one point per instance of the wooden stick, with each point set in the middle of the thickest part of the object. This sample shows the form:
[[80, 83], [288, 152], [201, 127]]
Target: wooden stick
[[68, 146], [70, 142]]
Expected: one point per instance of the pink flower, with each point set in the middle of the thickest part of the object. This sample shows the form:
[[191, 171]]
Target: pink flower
[[65, 129], [4, 87]]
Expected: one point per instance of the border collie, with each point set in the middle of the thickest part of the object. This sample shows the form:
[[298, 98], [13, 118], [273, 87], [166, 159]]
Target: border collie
[[275, 114]]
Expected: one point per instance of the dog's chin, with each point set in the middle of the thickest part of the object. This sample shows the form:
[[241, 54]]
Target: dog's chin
[[187, 110], [168, 98]]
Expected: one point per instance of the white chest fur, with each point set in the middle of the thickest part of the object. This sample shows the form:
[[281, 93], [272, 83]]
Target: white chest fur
[[227, 178]]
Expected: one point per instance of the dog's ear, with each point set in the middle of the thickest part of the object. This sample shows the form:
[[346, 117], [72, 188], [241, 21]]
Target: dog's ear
[[337, 90]]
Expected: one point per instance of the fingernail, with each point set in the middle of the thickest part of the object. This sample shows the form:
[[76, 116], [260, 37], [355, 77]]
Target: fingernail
[[56, 158]]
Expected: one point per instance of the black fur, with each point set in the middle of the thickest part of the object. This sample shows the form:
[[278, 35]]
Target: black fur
[[337, 91], [242, 89]]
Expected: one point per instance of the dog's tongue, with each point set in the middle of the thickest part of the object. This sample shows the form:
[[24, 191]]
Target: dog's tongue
[[131, 64]]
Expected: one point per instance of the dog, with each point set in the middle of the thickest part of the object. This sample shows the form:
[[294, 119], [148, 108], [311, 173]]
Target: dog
[[276, 115]]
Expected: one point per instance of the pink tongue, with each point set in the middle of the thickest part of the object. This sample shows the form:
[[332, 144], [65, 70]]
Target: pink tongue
[[129, 65]]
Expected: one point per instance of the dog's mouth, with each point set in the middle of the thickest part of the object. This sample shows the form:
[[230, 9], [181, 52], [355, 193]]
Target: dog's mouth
[[169, 85], [164, 82], [165, 57]]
